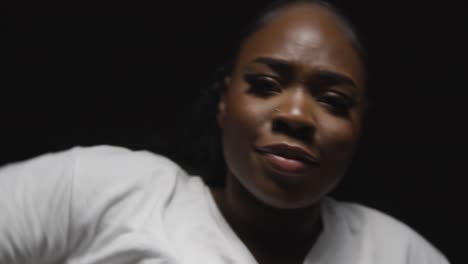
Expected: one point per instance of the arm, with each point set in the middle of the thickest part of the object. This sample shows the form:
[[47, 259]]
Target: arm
[[35, 198]]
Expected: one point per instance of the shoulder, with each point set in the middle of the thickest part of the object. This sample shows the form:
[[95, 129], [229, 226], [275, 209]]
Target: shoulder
[[95, 157], [120, 157], [73, 198], [103, 167], [385, 234], [358, 216], [115, 187], [92, 172]]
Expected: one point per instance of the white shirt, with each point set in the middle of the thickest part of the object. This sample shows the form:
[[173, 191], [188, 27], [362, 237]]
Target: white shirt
[[103, 205]]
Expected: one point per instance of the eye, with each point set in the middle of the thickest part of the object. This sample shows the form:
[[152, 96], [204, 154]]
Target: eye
[[338, 103], [262, 85]]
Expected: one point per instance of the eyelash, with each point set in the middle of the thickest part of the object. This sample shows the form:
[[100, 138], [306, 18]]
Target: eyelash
[[264, 85], [337, 102]]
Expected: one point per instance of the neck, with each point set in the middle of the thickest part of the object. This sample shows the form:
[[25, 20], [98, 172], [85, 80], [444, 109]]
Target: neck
[[258, 224]]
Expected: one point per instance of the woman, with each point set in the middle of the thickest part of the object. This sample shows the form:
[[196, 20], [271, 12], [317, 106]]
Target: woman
[[290, 113]]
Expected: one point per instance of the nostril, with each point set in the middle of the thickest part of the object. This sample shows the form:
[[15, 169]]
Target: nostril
[[305, 133], [299, 130], [280, 125]]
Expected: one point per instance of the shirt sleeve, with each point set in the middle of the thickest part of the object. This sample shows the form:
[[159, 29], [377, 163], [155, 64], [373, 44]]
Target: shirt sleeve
[[421, 251], [85, 205], [35, 197]]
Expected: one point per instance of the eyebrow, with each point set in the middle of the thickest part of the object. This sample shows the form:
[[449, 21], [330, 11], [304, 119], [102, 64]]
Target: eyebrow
[[334, 78], [322, 75], [278, 65]]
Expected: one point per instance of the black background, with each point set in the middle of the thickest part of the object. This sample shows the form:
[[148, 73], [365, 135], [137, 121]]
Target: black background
[[125, 74]]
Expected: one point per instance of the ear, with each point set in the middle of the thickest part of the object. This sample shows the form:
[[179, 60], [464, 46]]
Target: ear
[[222, 102]]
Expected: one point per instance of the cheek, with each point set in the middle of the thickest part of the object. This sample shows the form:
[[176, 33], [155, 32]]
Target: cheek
[[244, 114], [338, 138], [243, 120]]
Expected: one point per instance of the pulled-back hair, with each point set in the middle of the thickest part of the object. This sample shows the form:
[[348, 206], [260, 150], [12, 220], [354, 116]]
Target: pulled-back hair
[[200, 147]]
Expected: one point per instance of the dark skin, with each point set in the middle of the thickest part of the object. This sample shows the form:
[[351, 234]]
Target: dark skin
[[298, 81]]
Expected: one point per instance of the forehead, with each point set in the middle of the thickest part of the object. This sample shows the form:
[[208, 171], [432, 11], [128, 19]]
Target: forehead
[[309, 36]]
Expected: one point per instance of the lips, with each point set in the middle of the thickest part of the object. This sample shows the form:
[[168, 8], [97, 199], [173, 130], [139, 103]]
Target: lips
[[290, 152], [288, 159]]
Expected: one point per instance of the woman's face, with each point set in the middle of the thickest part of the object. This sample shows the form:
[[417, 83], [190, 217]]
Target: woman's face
[[292, 109]]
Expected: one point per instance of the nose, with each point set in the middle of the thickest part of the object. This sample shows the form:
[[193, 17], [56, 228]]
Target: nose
[[295, 116]]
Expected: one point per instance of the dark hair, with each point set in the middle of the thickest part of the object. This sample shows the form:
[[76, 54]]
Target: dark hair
[[270, 12], [200, 150]]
